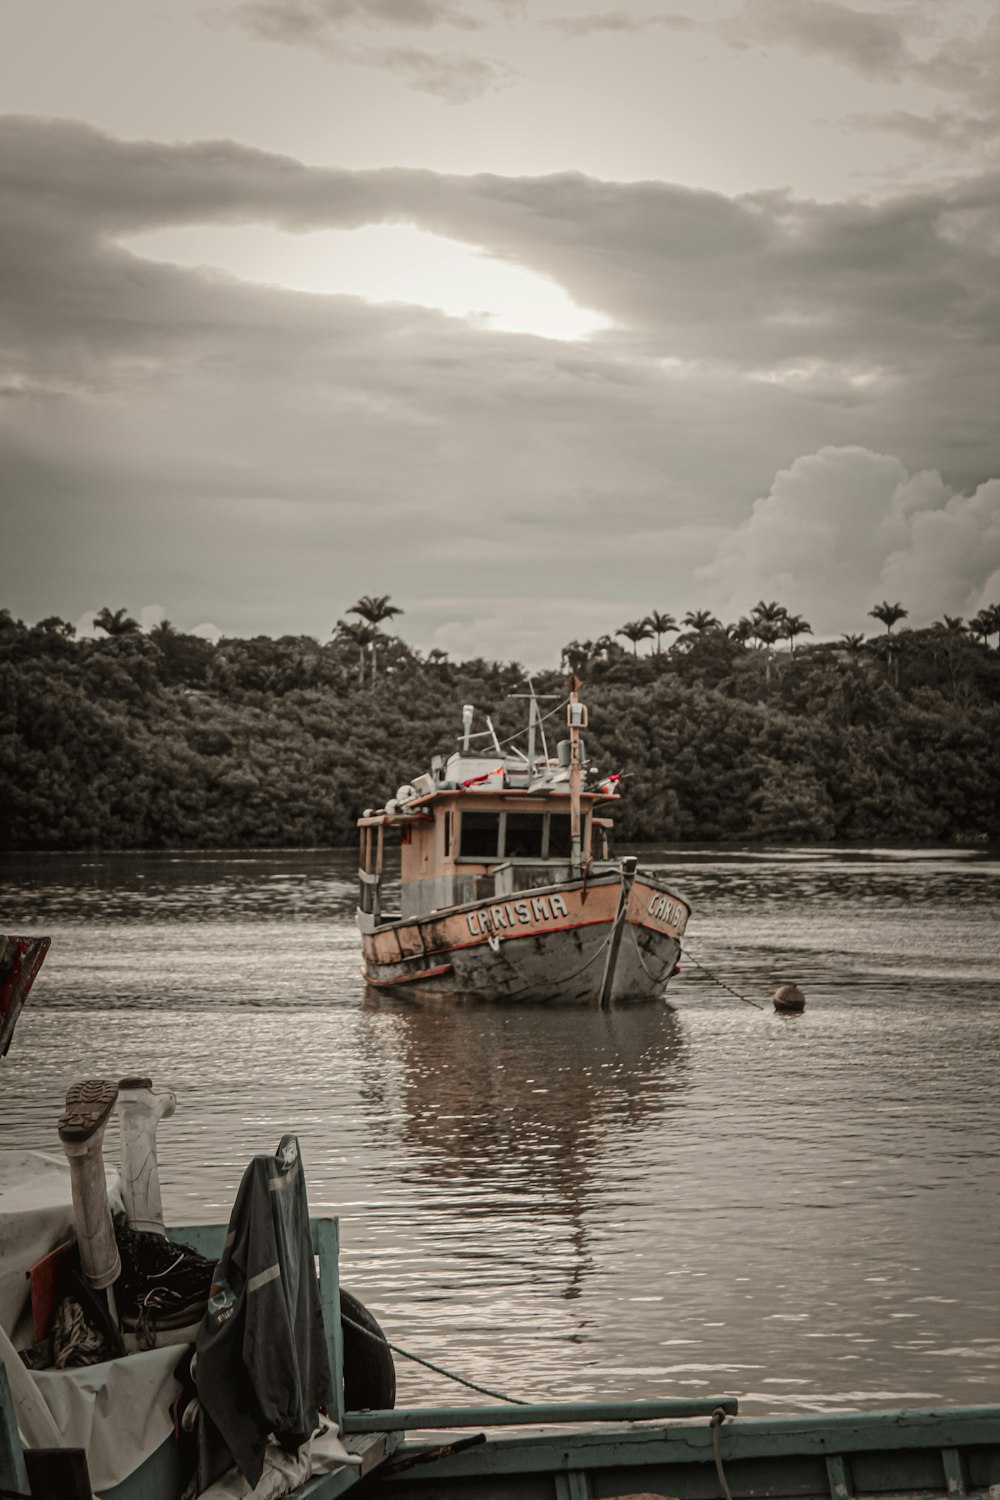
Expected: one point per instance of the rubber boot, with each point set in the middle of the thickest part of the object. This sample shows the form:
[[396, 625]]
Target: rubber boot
[[81, 1130], [140, 1110]]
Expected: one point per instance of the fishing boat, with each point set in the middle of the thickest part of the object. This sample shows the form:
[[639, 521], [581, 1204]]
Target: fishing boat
[[508, 890]]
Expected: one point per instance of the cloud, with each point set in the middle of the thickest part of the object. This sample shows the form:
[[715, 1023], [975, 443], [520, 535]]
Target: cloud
[[948, 49], [332, 26], [150, 615], [313, 21], [845, 527], [951, 132], [244, 453], [622, 22], [873, 42]]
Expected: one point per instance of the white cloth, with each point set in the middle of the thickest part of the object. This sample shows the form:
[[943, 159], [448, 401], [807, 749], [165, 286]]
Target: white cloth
[[119, 1410], [284, 1472], [36, 1215]]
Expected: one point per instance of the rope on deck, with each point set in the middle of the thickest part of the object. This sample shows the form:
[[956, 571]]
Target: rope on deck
[[438, 1369]]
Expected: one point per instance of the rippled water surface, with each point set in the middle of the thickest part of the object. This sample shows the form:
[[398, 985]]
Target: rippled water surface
[[802, 1211]]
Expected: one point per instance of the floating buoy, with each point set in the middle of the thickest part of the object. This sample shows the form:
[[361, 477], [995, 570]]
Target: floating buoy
[[789, 997]]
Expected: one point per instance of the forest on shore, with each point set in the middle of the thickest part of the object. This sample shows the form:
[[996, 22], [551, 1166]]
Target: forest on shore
[[161, 739]]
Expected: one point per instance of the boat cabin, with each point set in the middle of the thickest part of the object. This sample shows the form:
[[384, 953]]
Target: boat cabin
[[469, 832]]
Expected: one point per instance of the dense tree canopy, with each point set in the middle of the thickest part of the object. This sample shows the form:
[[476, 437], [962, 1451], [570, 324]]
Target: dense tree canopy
[[158, 740]]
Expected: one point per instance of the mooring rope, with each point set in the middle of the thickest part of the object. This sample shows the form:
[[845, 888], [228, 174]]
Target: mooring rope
[[428, 1364], [715, 1422], [686, 953]]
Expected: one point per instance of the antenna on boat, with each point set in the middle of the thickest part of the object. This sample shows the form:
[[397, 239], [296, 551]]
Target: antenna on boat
[[467, 712], [534, 722], [576, 719]]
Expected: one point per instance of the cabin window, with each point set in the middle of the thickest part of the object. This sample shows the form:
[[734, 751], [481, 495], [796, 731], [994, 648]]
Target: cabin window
[[523, 839], [480, 835], [560, 837], [447, 834]]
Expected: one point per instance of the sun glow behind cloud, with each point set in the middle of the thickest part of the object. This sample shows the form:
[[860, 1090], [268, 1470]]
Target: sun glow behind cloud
[[381, 263]]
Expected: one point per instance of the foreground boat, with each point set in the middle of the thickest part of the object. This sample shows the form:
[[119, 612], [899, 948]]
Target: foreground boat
[[120, 1425], [507, 888], [692, 1450]]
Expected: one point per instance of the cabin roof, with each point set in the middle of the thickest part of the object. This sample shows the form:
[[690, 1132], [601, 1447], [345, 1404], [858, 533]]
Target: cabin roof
[[422, 809]]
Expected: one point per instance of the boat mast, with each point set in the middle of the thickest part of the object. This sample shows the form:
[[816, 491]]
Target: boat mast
[[576, 718]]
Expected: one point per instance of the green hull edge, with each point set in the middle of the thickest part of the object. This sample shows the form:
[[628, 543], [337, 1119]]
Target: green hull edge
[[598, 1450]]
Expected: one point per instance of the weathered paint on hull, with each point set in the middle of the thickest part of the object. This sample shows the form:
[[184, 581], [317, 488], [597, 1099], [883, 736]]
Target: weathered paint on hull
[[544, 946]]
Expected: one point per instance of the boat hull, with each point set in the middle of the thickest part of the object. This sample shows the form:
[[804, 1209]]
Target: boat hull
[[609, 940]]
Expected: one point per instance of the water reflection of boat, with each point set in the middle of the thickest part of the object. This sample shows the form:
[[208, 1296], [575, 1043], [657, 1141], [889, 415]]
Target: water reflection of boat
[[480, 1103], [474, 1085], [507, 890]]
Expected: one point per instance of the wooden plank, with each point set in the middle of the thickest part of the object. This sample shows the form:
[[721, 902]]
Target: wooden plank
[[955, 1471], [838, 1477], [374, 1449], [327, 1235], [766, 1456], [425, 1418], [573, 1486]]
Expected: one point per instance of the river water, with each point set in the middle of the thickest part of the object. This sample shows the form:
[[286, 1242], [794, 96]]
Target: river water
[[704, 1200]]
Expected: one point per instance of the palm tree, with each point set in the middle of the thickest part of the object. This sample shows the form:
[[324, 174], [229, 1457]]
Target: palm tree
[[853, 643], [889, 613], [659, 625], [119, 623], [993, 611], [771, 613], [635, 631], [575, 656], [985, 623], [375, 608], [981, 626], [953, 623], [356, 633], [699, 620], [794, 625]]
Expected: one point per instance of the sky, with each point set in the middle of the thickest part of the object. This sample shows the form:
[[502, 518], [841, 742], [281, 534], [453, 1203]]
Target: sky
[[536, 315]]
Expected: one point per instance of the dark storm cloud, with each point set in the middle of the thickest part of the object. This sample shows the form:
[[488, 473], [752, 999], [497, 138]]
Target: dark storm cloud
[[279, 429], [754, 281], [332, 27]]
